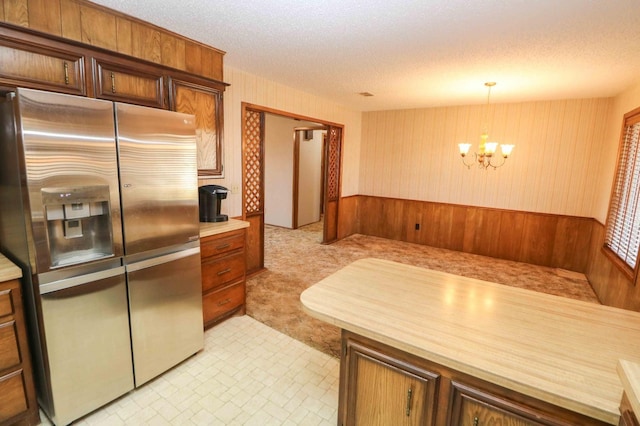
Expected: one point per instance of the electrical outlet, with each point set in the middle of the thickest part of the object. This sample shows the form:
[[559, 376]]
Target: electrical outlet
[[417, 226], [234, 189]]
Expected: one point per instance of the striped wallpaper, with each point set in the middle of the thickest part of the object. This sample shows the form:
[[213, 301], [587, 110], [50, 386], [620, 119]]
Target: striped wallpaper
[[413, 154]]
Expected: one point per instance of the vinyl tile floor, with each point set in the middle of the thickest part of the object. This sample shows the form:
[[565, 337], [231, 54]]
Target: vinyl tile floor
[[247, 374]]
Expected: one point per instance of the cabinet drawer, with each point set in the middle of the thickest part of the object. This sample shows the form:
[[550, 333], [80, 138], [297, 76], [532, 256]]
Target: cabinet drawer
[[215, 246], [218, 303], [222, 270], [6, 304], [9, 353], [472, 406], [13, 399], [476, 413]]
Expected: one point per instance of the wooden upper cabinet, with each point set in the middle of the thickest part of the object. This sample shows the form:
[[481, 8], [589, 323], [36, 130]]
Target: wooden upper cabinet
[[37, 67], [205, 102], [117, 82]]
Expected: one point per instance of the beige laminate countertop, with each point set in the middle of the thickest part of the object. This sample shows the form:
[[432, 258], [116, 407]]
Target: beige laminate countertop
[[8, 271], [555, 349], [213, 228]]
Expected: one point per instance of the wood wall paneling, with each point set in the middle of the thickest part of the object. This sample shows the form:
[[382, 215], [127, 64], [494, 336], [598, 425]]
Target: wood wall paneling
[[572, 243], [70, 20], [16, 12], [543, 239], [610, 284], [172, 50], [98, 28], [44, 15], [124, 36], [348, 217], [511, 230], [538, 238], [455, 230], [482, 231], [193, 57], [145, 42]]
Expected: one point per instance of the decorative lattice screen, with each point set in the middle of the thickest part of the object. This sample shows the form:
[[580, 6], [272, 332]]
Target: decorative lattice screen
[[333, 178], [252, 163]]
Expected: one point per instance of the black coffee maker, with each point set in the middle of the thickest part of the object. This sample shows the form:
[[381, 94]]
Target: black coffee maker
[[210, 198]]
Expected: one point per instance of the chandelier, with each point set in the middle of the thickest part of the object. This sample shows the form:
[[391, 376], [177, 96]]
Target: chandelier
[[485, 156]]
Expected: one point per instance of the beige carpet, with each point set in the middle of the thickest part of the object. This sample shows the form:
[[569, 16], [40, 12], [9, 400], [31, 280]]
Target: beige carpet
[[295, 260]]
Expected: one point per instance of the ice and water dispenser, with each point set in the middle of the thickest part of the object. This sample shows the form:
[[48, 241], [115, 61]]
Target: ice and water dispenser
[[78, 224], [210, 199]]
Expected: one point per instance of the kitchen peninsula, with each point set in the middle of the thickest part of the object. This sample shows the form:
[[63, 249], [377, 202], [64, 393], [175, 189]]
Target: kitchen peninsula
[[463, 351]]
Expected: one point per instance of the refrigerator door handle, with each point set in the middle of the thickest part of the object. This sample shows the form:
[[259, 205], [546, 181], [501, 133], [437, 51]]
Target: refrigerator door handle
[[80, 280], [148, 263]]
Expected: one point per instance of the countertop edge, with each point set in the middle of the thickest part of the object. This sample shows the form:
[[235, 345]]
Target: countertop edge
[[8, 271], [208, 229]]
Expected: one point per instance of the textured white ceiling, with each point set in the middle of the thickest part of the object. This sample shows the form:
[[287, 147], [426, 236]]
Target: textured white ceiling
[[417, 53]]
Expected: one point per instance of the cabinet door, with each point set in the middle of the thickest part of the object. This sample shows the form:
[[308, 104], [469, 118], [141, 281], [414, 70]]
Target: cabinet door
[[382, 390], [205, 102], [13, 399], [39, 67], [476, 407], [117, 82]]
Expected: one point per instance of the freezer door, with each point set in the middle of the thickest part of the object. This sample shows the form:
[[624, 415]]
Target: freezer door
[[158, 177], [86, 328], [69, 149], [165, 302]]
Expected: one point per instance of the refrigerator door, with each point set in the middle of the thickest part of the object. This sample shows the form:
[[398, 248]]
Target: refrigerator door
[[165, 298], [86, 327], [158, 178], [68, 147]]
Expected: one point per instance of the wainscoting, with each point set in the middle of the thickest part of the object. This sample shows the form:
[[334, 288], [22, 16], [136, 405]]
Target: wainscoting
[[610, 284], [557, 241]]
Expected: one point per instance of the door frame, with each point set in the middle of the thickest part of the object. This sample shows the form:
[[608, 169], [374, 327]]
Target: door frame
[[253, 198]]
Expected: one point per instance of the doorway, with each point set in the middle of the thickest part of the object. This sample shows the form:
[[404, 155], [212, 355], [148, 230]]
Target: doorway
[[253, 178], [308, 175]]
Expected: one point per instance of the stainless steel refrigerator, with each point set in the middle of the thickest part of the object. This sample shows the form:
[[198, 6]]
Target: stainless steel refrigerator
[[99, 206]]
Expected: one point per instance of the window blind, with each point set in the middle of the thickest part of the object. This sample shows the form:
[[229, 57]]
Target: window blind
[[622, 235]]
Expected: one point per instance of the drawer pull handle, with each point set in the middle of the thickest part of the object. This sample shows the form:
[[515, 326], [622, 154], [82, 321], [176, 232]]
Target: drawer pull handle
[[224, 271], [223, 246], [475, 421], [409, 392], [224, 302], [66, 73], [113, 82]]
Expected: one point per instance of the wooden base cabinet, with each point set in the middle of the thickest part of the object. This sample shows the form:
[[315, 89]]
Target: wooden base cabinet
[[627, 416], [381, 385], [406, 398], [17, 393], [223, 276]]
